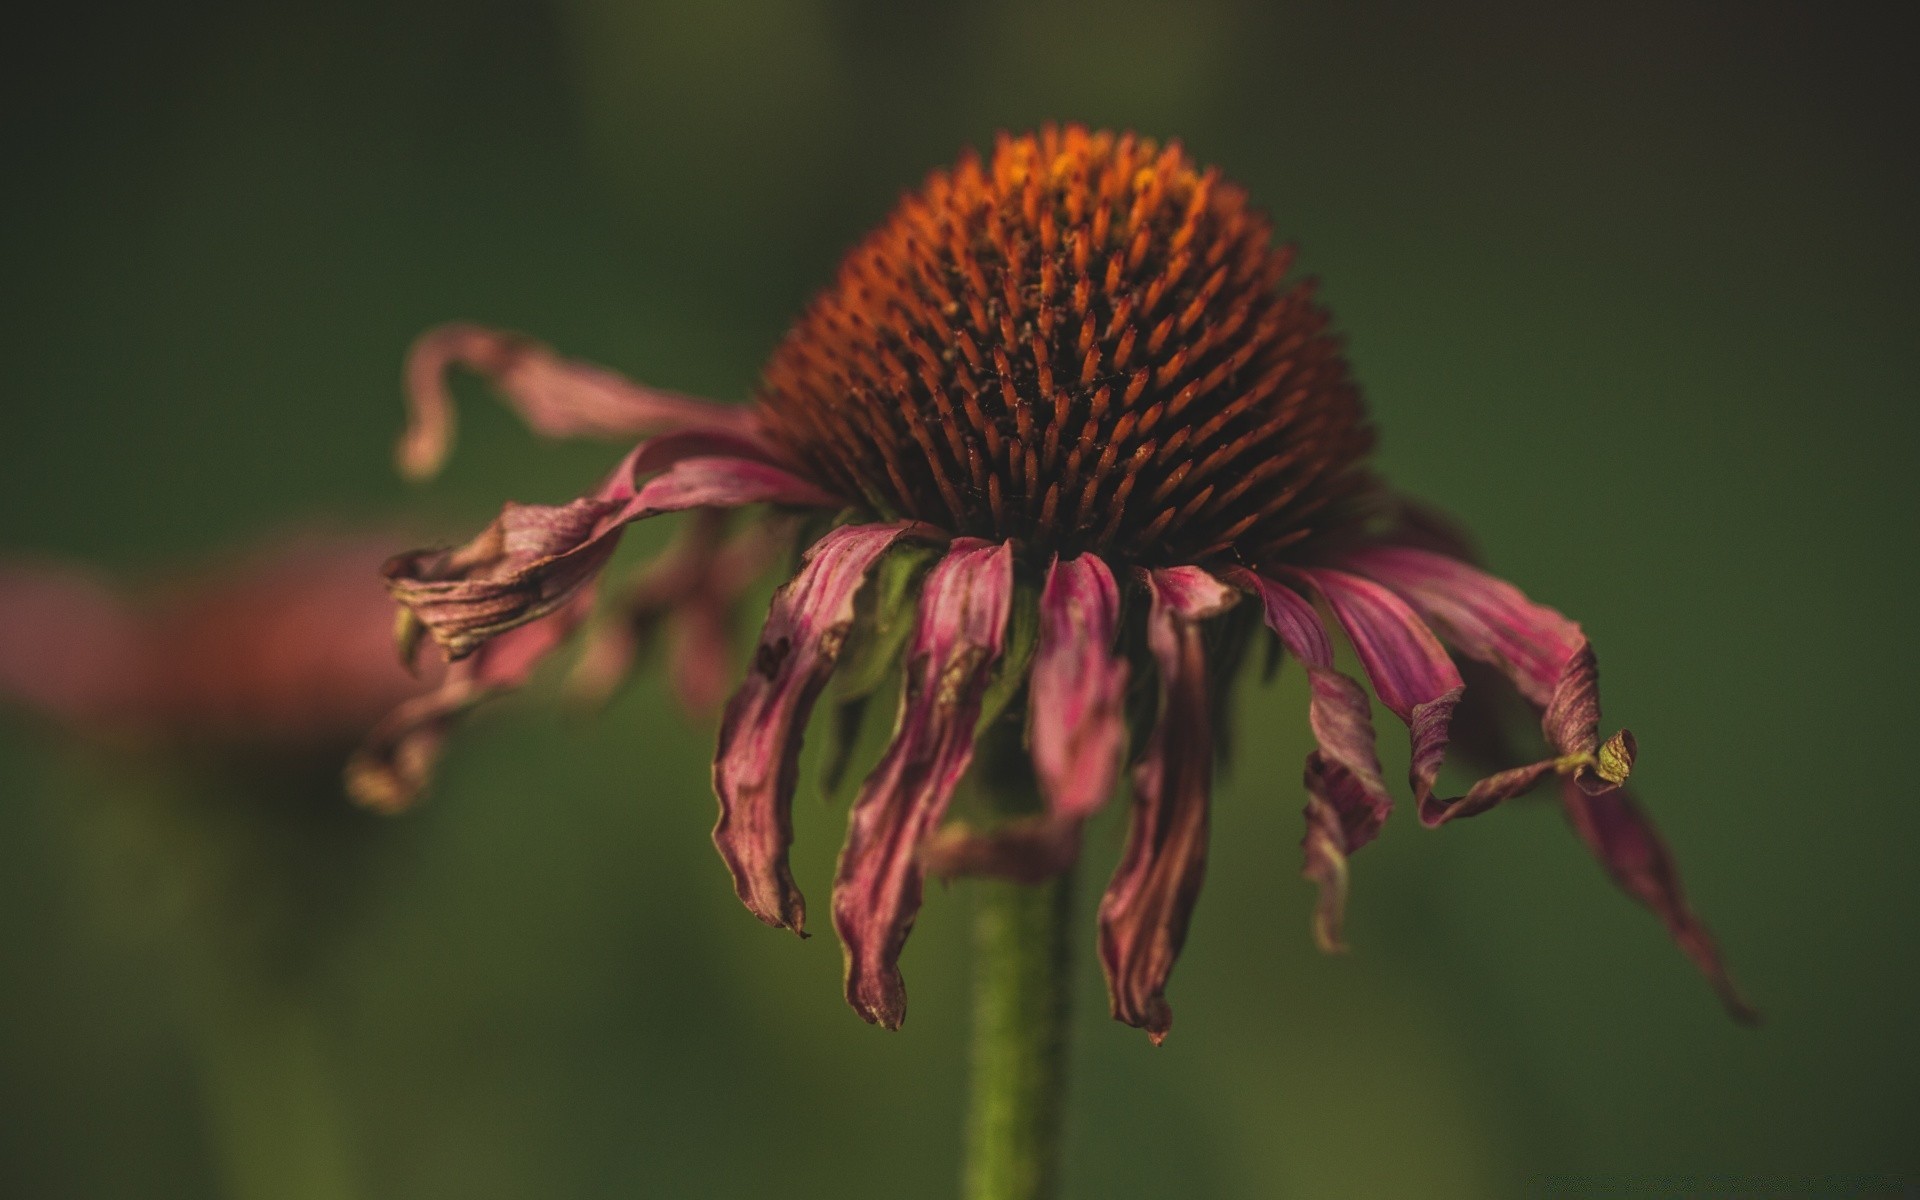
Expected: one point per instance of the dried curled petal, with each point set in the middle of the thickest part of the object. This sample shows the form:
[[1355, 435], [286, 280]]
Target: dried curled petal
[[395, 762], [760, 734], [1414, 677], [1144, 914], [1347, 800], [534, 557], [557, 397], [1550, 662], [876, 895]]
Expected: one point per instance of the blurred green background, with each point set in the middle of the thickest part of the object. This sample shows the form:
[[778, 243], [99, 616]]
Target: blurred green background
[[1632, 290]]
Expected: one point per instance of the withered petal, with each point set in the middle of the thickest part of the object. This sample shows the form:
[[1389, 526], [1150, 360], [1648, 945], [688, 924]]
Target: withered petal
[[557, 397], [760, 734], [960, 634], [395, 762], [533, 557], [1149, 901], [1347, 798]]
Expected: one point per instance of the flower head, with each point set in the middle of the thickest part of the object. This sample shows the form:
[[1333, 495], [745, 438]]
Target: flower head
[[1065, 427]]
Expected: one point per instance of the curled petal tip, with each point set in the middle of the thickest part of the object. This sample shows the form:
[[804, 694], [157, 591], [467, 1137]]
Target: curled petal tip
[[879, 1002], [1613, 762]]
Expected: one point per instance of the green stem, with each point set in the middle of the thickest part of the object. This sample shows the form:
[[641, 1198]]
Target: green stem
[[1020, 1011]]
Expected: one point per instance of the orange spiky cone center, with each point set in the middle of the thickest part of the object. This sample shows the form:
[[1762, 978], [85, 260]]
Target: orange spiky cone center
[[1085, 344]]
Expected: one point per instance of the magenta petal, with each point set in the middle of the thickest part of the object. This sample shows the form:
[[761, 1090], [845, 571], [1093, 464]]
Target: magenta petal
[[1347, 798], [557, 397], [533, 557], [1630, 849], [1484, 617], [1409, 668], [1078, 687], [960, 634], [755, 767], [1543, 653], [1148, 902], [395, 762]]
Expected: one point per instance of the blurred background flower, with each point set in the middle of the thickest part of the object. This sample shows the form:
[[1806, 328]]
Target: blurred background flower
[[1675, 243]]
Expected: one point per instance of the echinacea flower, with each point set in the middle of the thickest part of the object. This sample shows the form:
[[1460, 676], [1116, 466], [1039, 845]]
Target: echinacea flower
[[1064, 426]]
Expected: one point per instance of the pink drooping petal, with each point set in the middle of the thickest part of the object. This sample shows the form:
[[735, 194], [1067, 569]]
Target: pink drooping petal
[[1483, 617], [1550, 662], [1410, 670], [755, 768], [396, 760], [1078, 687], [1544, 654], [1415, 678], [1144, 914], [694, 590], [534, 557], [1631, 850], [557, 397], [1347, 800], [959, 635]]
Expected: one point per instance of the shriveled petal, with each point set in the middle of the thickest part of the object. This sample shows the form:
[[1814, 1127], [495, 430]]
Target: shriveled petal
[[754, 769], [557, 397], [1347, 800], [1148, 902], [1631, 850], [1409, 667], [1078, 687], [960, 634], [1544, 654], [1550, 662], [533, 557], [395, 762], [1415, 678]]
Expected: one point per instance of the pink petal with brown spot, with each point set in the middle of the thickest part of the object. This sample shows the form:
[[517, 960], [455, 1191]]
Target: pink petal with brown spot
[[760, 734], [959, 635]]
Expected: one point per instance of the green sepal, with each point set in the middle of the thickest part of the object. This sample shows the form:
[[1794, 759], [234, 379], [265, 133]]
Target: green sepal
[[1010, 675], [883, 620]]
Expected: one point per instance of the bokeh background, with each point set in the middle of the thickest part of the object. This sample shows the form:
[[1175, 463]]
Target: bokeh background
[[1631, 288]]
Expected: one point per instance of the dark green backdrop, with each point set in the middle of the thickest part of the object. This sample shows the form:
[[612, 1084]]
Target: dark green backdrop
[[1631, 289]]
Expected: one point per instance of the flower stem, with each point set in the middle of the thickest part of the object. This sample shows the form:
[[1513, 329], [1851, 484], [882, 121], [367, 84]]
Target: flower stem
[[1020, 1012]]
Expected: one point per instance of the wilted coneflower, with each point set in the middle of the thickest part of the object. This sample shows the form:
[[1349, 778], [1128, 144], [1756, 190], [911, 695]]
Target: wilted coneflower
[[1069, 408]]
